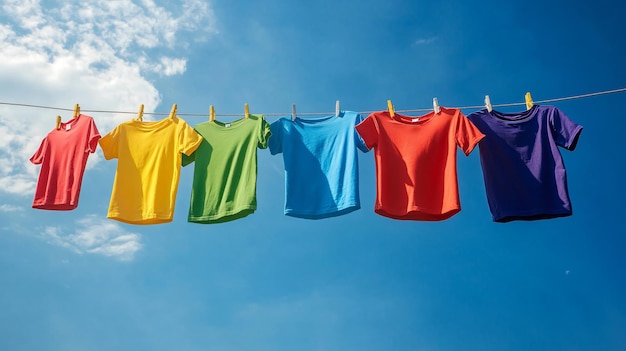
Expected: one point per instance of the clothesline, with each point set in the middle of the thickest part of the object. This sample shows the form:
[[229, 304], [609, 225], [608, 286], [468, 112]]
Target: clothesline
[[320, 113]]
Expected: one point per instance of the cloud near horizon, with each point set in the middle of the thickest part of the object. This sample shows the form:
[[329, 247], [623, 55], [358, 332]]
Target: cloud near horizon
[[424, 41], [98, 53], [96, 235]]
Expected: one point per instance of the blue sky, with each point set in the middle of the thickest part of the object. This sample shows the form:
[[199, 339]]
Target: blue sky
[[77, 281]]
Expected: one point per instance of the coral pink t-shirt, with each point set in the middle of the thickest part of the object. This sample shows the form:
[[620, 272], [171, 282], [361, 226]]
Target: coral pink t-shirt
[[416, 176], [63, 155]]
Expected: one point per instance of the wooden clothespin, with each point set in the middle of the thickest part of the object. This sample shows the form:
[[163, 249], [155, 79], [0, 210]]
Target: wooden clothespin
[[140, 113], [173, 111], [337, 108], [390, 109], [293, 112], [246, 110], [76, 111], [529, 101], [436, 107], [58, 125], [488, 103], [211, 113]]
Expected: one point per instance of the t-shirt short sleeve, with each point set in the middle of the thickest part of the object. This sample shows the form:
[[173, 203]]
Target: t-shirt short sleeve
[[37, 158], [275, 142], [368, 130], [94, 136], [109, 143], [265, 133], [188, 139], [189, 159], [360, 144], [467, 135], [564, 130]]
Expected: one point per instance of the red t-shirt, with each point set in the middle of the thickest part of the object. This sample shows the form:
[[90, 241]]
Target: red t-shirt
[[63, 155], [416, 175]]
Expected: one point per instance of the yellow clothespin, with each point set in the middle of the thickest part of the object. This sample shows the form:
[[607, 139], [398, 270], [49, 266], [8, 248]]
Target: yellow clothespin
[[529, 101], [140, 114], [436, 105], [390, 108], [488, 103], [337, 108], [211, 113], [58, 122], [246, 110], [173, 111], [76, 111], [293, 112]]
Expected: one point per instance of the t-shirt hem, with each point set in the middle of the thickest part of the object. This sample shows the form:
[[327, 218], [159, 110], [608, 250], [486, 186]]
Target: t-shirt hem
[[55, 206], [152, 219], [223, 217], [321, 214], [419, 214], [532, 215]]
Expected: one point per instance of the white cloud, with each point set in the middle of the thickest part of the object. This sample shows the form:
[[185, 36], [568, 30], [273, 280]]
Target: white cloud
[[95, 235], [17, 184], [424, 41], [10, 208], [166, 66], [173, 66], [96, 53]]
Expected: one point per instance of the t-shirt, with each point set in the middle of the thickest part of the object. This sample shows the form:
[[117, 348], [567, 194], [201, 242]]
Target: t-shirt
[[148, 168], [225, 171], [63, 155], [522, 167], [416, 175], [321, 164]]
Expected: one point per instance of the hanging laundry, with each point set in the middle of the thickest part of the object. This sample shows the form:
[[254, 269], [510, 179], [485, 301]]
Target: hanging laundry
[[321, 164], [523, 170], [225, 171], [148, 168], [63, 155], [416, 176]]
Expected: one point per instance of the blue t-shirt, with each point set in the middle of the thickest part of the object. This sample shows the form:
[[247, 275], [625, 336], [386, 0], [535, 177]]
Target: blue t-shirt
[[321, 164], [523, 169]]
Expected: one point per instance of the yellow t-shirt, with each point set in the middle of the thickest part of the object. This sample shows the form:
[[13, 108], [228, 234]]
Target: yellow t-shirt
[[148, 168]]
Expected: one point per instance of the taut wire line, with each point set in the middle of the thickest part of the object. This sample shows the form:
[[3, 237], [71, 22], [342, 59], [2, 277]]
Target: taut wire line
[[582, 96]]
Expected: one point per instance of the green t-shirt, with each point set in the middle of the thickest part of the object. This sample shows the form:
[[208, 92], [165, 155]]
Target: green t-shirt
[[224, 179]]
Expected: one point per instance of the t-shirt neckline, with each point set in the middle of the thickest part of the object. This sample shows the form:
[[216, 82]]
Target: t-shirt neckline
[[319, 121], [416, 120], [152, 125], [514, 117], [72, 123], [225, 126]]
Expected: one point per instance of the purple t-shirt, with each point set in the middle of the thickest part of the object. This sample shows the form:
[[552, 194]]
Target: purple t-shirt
[[522, 167]]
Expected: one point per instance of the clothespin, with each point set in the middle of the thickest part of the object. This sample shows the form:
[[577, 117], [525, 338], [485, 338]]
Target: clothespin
[[488, 103], [436, 105], [76, 111], [173, 111], [529, 101], [58, 122], [211, 113], [140, 113], [246, 111], [390, 108], [293, 112], [337, 108]]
